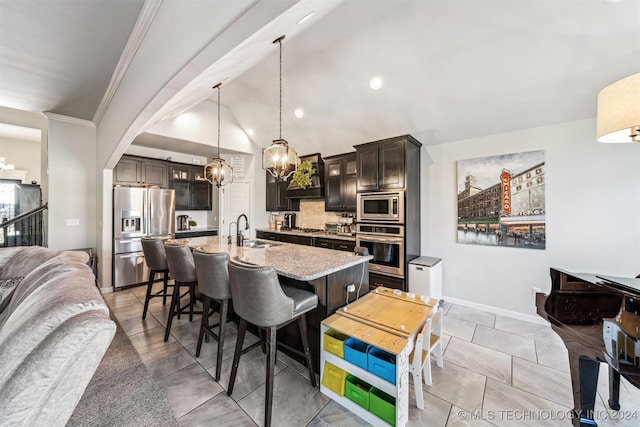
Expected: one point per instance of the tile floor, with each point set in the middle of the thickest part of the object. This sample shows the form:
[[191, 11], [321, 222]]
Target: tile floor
[[497, 371]]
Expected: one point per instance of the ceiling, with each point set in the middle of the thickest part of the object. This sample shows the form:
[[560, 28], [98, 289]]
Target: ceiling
[[452, 70], [59, 56]]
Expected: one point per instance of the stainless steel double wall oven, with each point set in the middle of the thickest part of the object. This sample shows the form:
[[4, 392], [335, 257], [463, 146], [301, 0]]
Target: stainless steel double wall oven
[[380, 229]]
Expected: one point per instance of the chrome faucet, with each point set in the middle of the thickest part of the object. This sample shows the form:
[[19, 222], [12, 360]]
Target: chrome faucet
[[240, 236], [229, 236]]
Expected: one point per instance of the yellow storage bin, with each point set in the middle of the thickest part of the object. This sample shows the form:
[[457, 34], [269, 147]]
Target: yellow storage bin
[[334, 342], [334, 378]]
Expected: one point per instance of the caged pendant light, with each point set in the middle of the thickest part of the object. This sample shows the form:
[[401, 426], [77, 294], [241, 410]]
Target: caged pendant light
[[279, 159], [216, 171]]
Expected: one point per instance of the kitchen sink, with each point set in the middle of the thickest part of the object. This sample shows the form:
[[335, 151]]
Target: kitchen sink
[[260, 244]]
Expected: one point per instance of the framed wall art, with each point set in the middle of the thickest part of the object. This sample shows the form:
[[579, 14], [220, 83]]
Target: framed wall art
[[501, 200]]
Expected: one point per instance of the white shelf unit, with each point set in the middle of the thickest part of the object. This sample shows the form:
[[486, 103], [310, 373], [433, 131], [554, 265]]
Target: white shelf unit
[[400, 390]]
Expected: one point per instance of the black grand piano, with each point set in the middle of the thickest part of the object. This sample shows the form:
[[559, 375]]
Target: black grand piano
[[598, 318]]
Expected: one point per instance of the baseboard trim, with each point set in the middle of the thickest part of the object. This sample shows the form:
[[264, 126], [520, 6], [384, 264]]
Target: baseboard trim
[[496, 310]]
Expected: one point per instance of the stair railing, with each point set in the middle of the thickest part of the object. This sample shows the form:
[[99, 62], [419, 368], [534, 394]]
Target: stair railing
[[27, 228]]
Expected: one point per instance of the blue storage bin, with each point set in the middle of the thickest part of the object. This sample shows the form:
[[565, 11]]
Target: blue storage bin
[[355, 351], [382, 364]]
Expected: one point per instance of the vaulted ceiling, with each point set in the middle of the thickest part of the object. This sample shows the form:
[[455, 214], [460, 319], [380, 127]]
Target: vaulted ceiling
[[451, 70]]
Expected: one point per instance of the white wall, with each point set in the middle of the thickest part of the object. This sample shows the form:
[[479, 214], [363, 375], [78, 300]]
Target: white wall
[[24, 155], [592, 214], [72, 185]]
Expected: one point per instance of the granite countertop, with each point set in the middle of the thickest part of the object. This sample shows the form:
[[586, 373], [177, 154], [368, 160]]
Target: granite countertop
[[322, 234], [298, 262]]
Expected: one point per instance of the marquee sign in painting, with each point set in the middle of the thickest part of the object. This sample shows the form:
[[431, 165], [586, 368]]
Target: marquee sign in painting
[[501, 200]]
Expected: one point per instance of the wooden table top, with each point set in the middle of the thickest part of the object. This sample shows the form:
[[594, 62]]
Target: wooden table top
[[382, 318]]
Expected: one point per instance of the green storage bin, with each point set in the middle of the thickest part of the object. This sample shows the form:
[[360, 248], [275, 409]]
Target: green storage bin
[[382, 405], [334, 378], [357, 391], [334, 342]]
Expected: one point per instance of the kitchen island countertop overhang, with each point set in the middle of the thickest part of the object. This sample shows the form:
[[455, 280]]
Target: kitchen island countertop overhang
[[296, 262]]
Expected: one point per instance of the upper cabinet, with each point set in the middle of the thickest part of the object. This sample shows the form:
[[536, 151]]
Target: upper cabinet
[[193, 191], [387, 164], [132, 170], [277, 199], [340, 183]]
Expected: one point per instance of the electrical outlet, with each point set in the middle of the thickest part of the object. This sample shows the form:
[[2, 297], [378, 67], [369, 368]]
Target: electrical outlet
[[73, 222], [351, 288]]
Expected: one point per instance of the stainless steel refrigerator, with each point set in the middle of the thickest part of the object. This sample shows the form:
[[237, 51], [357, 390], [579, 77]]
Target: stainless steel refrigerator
[[138, 212]]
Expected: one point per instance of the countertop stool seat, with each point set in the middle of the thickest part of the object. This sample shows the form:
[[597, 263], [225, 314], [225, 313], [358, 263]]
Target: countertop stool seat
[[183, 270], [156, 260], [260, 299], [212, 272]]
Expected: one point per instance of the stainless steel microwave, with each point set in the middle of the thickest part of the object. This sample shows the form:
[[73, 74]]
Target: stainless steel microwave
[[381, 207]]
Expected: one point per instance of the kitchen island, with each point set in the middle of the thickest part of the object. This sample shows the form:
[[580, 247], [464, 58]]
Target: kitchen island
[[325, 272]]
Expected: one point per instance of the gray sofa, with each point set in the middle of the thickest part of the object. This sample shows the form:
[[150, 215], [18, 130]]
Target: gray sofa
[[54, 330]]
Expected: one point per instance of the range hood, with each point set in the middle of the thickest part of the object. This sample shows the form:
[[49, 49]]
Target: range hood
[[316, 189]]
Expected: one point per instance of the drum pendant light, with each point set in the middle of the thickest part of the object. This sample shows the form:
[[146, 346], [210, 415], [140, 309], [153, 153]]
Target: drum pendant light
[[279, 159], [216, 171], [618, 116]]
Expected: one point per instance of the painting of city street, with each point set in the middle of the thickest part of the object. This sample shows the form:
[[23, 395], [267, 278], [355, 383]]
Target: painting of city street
[[501, 200]]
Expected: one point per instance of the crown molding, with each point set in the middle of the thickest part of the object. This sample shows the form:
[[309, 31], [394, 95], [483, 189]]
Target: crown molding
[[140, 28], [68, 119]]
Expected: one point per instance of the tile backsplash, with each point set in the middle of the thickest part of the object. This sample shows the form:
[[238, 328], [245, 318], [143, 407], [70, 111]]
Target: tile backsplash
[[313, 215]]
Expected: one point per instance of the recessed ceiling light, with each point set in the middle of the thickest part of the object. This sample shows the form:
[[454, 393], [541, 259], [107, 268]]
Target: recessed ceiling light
[[299, 112], [250, 132], [305, 18], [375, 83]]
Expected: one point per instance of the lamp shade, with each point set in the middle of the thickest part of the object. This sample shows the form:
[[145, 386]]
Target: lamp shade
[[279, 159], [618, 116]]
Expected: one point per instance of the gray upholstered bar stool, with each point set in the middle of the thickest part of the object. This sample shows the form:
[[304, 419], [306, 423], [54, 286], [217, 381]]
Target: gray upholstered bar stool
[[260, 299], [212, 272], [156, 260], [183, 271]]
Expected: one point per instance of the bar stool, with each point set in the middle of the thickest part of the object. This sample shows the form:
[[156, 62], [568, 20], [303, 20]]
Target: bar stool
[[260, 299], [212, 272], [156, 260], [183, 271]]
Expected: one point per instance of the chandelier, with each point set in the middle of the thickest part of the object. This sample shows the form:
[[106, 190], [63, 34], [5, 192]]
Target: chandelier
[[215, 171], [279, 159]]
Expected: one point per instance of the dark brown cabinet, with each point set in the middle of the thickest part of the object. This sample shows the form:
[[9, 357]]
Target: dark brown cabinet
[[277, 195], [340, 183], [337, 244], [376, 280], [298, 240], [266, 235], [287, 238], [132, 170], [387, 164], [193, 192], [320, 242]]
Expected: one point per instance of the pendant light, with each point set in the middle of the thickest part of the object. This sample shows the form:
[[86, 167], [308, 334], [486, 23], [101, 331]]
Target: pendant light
[[217, 169], [279, 159]]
